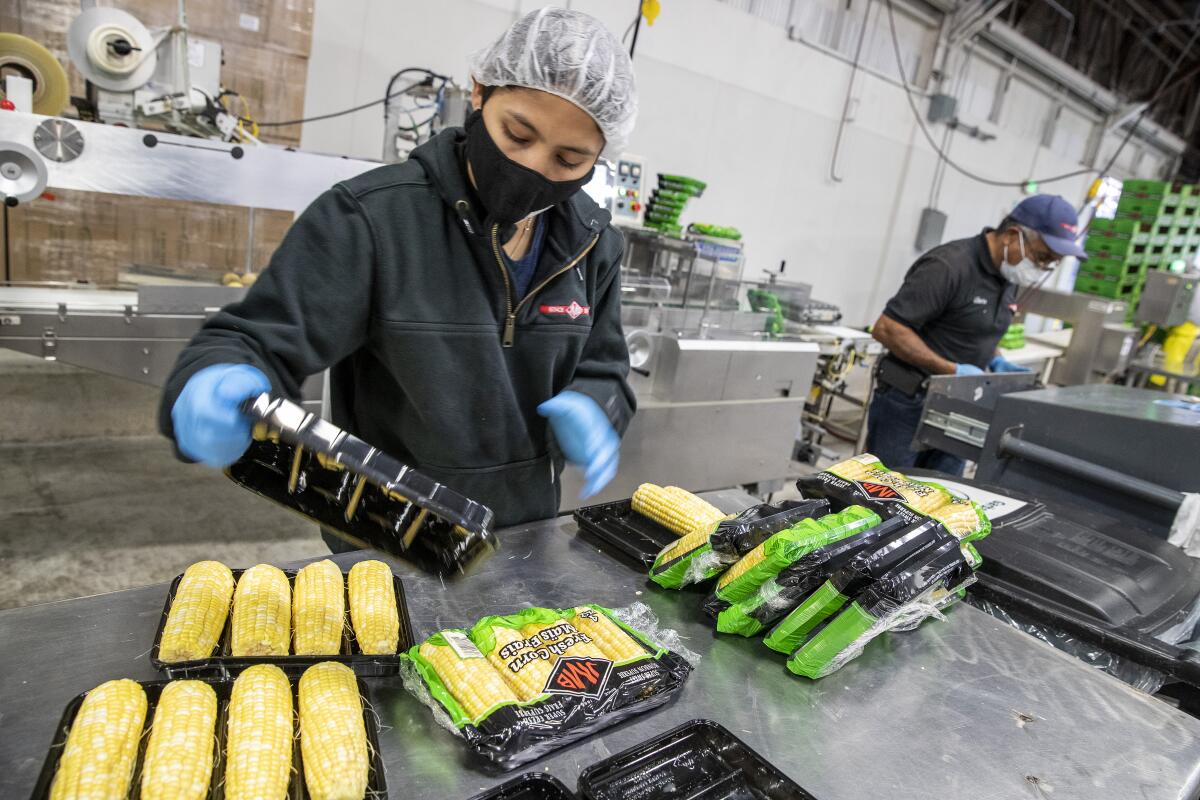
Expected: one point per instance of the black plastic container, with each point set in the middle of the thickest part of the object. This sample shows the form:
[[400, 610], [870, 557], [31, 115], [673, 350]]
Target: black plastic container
[[623, 533], [699, 760], [360, 493], [221, 664], [530, 786], [376, 780]]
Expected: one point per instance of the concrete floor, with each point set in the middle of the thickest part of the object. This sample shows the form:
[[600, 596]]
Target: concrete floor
[[91, 516]]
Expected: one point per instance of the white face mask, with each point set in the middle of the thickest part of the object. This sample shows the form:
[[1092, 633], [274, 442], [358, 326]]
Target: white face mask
[[1024, 272]]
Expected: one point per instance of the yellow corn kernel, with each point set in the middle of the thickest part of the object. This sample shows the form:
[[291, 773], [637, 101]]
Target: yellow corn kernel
[[676, 509], [262, 611], [179, 756], [613, 641], [373, 608], [318, 610], [101, 750], [333, 738], [742, 564], [529, 681], [684, 544], [258, 750], [198, 613], [474, 682]]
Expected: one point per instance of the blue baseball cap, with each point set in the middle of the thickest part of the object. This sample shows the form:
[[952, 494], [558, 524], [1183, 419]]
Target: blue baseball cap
[[1055, 221]]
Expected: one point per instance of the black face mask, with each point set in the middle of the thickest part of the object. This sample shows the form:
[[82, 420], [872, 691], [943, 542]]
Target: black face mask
[[509, 191]]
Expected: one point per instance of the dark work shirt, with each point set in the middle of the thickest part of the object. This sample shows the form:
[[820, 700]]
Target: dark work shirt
[[957, 301], [523, 269]]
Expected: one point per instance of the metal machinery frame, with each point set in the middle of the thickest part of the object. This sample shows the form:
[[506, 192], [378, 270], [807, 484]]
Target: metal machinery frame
[[139, 334]]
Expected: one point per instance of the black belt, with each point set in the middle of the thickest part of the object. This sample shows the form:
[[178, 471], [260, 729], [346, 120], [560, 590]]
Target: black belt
[[904, 378]]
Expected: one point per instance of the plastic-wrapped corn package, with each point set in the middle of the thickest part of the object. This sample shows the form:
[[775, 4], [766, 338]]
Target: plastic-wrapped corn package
[[859, 574], [515, 687], [779, 595], [783, 548], [705, 554], [921, 587]]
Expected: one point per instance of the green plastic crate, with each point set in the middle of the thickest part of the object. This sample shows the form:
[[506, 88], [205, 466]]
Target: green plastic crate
[[1144, 188], [1109, 267], [1112, 289], [1142, 209], [1109, 248], [1112, 228]]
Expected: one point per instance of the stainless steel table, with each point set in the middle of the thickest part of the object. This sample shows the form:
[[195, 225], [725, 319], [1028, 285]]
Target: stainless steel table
[[967, 708]]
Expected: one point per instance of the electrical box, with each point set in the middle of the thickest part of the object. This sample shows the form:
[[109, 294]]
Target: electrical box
[[618, 186], [1166, 298], [630, 201]]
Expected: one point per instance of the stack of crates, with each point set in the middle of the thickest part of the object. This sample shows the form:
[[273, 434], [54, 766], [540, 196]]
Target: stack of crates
[[1157, 223]]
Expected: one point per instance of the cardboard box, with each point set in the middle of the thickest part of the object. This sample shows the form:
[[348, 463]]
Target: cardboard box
[[87, 236]]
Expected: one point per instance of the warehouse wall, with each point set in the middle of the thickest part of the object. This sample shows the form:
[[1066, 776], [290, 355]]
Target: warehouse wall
[[725, 96]]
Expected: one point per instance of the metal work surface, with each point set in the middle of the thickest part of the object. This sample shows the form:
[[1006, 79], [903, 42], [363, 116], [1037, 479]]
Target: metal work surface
[[965, 708]]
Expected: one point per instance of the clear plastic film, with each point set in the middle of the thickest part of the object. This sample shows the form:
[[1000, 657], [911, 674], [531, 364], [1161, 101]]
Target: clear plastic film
[[845, 638], [642, 618], [1123, 669]]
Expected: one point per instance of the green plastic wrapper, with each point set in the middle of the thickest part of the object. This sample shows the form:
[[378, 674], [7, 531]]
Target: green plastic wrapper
[[678, 565], [766, 560], [924, 584], [856, 576], [780, 594]]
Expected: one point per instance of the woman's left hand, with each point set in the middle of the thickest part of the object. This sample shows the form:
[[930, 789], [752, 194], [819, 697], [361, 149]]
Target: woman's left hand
[[585, 436]]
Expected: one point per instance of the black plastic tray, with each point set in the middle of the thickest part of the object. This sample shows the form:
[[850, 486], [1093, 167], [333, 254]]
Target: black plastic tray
[[699, 760], [530, 786], [623, 533], [360, 493], [376, 780], [221, 664]]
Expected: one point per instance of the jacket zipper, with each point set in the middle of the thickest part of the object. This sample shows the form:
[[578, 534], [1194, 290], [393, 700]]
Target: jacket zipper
[[510, 317]]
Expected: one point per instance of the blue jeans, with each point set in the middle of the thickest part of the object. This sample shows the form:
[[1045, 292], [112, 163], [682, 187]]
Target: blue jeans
[[892, 422]]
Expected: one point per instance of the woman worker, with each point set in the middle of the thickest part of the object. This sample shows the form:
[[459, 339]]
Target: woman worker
[[466, 301]]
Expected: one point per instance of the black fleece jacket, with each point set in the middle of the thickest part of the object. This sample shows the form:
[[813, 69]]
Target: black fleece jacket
[[390, 280]]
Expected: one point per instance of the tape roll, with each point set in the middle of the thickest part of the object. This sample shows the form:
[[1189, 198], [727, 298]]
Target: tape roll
[[112, 49], [20, 55]]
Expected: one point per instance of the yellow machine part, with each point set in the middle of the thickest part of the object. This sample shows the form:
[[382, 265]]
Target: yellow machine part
[[20, 55]]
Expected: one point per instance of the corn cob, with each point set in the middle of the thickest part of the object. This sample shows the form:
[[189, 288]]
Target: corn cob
[[610, 638], [333, 739], [373, 607], [529, 682], [198, 612], [580, 648], [684, 544], [261, 613], [318, 610], [179, 756], [101, 750], [258, 753], [676, 509], [744, 563], [474, 682]]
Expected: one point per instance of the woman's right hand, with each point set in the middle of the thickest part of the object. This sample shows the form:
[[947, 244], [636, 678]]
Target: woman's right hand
[[207, 416]]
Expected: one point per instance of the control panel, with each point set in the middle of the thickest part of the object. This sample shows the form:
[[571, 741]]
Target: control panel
[[629, 203]]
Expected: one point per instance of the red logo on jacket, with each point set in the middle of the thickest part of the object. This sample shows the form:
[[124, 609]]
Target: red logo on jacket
[[574, 310]]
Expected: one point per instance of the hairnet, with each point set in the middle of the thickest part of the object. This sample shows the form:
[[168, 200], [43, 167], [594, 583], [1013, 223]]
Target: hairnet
[[572, 55]]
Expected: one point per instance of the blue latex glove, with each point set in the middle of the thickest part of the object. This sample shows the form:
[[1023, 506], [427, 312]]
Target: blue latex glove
[[209, 424], [967, 369], [585, 436], [1001, 364]]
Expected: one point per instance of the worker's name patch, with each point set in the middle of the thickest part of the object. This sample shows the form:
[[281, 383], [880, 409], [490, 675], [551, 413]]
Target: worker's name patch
[[574, 310], [583, 677]]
